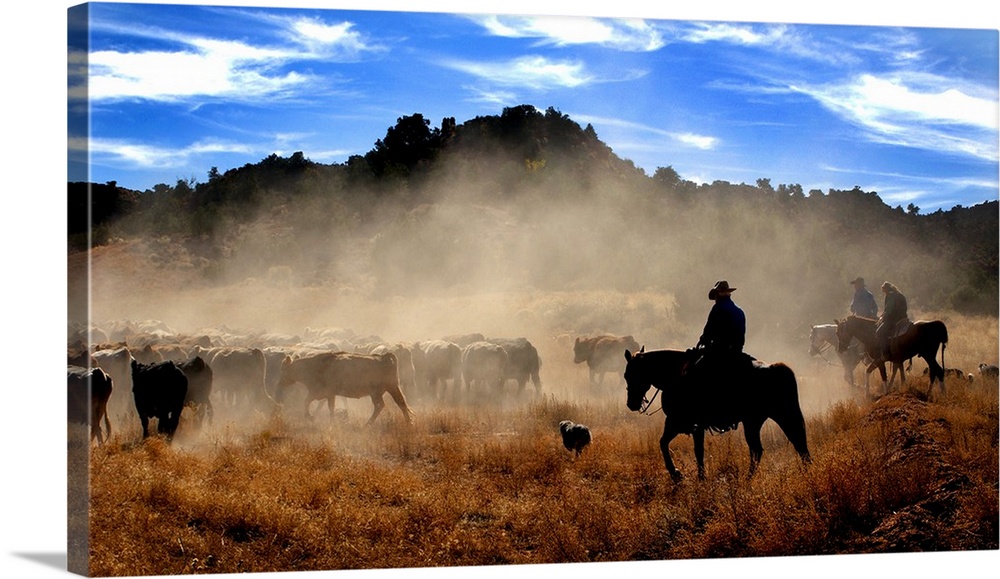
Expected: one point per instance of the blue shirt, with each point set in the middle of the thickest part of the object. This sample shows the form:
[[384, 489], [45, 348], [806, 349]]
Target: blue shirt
[[726, 327], [864, 304]]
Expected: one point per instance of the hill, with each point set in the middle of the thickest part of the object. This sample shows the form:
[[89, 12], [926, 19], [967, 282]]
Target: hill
[[531, 201]]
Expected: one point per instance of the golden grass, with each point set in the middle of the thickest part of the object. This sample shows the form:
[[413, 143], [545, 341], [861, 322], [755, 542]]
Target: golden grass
[[473, 484], [467, 486]]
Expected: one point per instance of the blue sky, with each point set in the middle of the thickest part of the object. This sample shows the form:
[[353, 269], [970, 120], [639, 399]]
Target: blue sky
[[909, 112]]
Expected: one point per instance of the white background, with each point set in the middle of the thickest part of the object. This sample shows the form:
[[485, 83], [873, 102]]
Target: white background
[[33, 213]]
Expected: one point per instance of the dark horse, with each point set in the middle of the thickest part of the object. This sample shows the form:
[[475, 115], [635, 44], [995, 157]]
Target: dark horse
[[921, 338], [767, 391]]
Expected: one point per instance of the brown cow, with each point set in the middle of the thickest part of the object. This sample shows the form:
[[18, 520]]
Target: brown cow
[[239, 376], [329, 374], [116, 361], [603, 354], [84, 409], [484, 366]]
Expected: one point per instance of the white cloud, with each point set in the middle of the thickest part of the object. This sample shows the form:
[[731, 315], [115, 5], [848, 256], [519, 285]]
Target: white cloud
[[734, 33], [150, 156], [632, 35], [340, 41], [702, 142], [493, 97], [921, 111], [686, 139], [215, 69], [218, 68], [535, 72], [317, 31]]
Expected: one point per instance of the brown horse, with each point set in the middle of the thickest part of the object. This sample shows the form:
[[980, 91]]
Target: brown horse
[[922, 338], [766, 391]]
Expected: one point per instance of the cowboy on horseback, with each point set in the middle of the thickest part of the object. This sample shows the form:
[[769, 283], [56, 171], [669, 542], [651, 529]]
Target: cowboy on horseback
[[892, 314], [726, 328], [863, 303], [719, 354]]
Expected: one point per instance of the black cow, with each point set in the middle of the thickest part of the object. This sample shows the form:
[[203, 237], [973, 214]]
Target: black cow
[[199, 390], [89, 409], [159, 391]]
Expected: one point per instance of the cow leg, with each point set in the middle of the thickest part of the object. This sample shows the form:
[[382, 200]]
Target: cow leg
[[144, 421], [107, 421], [699, 451], [170, 423], [400, 400], [669, 432], [379, 405]]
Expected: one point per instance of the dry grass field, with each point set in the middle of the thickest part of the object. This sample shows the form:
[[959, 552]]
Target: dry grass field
[[483, 481], [487, 482]]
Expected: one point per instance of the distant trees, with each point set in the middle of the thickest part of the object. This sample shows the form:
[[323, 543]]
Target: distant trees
[[411, 142], [525, 153]]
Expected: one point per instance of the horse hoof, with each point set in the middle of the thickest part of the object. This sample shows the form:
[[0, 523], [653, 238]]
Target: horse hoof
[[677, 476]]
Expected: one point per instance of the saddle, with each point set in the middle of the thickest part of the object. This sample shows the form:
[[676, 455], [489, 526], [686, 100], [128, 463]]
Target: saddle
[[897, 331], [718, 378], [901, 327]]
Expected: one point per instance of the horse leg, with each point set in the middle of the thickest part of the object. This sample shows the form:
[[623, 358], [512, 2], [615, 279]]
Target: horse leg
[[699, 451], [935, 371], [751, 431], [669, 432]]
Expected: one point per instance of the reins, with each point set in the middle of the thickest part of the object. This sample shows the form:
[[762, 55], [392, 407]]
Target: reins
[[824, 349], [648, 403]]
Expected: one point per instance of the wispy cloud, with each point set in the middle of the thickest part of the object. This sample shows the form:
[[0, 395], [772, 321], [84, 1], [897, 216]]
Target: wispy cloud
[[927, 181], [631, 35], [744, 34], [533, 72], [145, 155], [922, 111], [784, 39], [491, 97], [207, 67], [685, 139]]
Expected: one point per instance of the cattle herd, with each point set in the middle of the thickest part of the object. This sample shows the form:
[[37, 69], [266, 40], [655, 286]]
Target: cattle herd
[[146, 371]]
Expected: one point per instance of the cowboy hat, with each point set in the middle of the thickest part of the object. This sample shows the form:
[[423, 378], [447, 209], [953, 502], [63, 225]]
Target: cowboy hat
[[721, 287]]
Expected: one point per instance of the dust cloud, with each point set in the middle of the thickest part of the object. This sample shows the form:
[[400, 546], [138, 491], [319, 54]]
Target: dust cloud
[[455, 255]]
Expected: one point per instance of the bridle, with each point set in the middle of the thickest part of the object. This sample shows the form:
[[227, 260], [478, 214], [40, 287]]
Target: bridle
[[819, 352], [646, 403]]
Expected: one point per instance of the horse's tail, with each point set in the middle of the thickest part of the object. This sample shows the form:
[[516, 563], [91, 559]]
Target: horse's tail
[[944, 344]]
